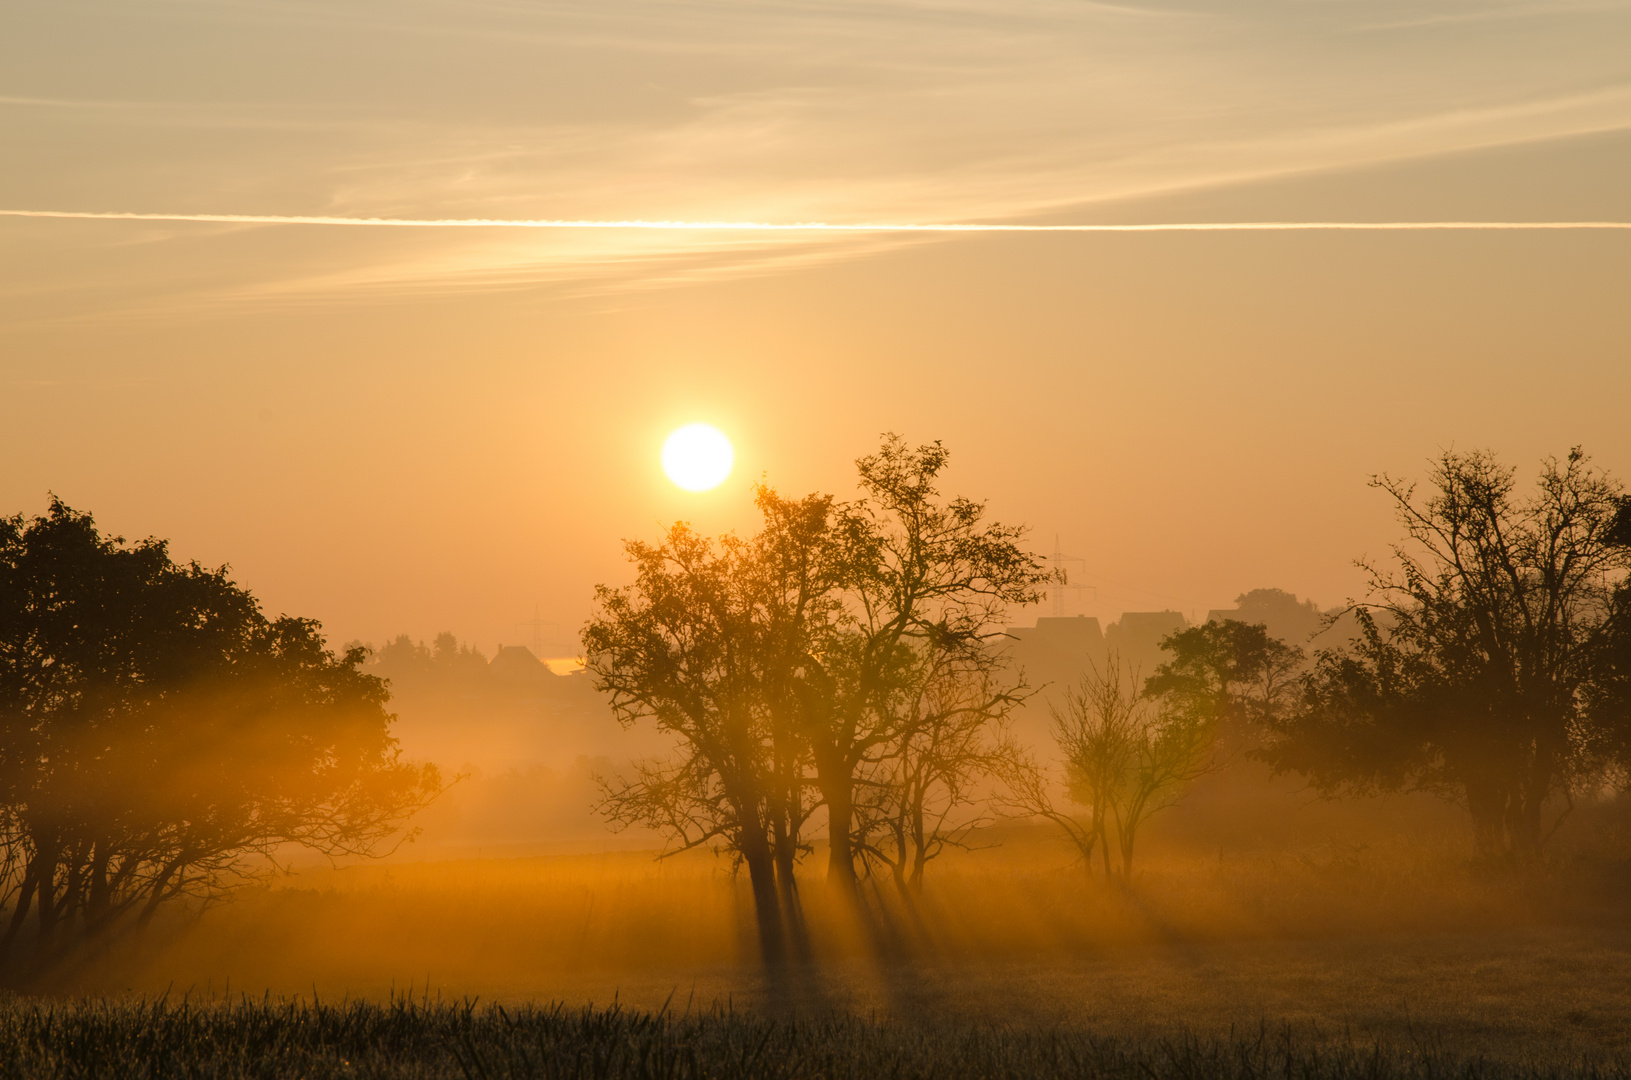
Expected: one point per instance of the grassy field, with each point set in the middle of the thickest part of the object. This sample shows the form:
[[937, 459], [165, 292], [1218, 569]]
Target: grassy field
[[443, 1039], [1331, 960]]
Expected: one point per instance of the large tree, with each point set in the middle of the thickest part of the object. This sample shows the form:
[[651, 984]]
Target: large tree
[[922, 583], [701, 646], [1480, 643], [157, 730], [793, 668]]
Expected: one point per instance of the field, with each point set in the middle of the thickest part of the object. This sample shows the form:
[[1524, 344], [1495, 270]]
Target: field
[[444, 1039], [1336, 960]]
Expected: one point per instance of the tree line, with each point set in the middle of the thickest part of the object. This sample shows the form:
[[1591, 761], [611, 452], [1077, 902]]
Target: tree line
[[837, 677], [846, 661]]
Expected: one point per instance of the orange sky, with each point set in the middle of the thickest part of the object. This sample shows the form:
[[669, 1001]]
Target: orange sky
[[420, 430]]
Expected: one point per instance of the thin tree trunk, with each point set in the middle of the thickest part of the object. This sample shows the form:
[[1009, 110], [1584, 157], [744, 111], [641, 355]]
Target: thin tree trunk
[[160, 884], [1102, 839], [46, 893], [920, 846], [19, 914], [1488, 811], [1534, 797]]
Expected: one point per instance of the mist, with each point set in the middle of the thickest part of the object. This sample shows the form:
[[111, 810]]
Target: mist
[[843, 538]]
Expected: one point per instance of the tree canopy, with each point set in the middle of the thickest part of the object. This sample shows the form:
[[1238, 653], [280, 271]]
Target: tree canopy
[[157, 729], [839, 658], [1484, 642]]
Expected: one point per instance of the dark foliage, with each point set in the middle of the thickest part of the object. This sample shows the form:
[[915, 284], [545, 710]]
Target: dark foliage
[[1229, 675], [1482, 647], [156, 729], [839, 658]]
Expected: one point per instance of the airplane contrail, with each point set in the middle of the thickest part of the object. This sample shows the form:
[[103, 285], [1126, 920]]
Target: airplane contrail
[[813, 226]]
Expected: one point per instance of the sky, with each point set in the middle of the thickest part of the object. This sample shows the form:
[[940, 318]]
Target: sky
[[414, 430]]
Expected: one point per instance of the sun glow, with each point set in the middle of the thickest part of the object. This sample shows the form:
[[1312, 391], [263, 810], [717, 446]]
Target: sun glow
[[698, 457]]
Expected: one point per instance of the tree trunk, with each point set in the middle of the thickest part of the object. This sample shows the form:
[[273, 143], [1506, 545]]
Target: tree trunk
[[836, 789], [19, 914], [766, 904], [792, 911], [1535, 791], [100, 894], [1486, 802], [46, 894], [897, 869], [156, 897]]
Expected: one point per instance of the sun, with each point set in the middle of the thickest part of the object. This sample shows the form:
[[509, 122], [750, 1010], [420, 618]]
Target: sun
[[698, 457]]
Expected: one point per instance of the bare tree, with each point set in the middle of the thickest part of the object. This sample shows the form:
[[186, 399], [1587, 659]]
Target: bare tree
[[1124, 759], [931, 792]]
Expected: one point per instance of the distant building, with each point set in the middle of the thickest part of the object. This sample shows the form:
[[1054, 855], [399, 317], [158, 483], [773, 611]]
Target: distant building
[[1291, 620], [517, 663], [521, 656], [1056, 650], [1136, 638]]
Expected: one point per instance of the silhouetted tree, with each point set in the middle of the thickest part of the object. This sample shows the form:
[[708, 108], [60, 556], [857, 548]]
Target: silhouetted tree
[[1125, 759], [796, 559], [156, 730], [928, 793], [1608, 690], [1228, 677], [923, 582], [793, 666], [693, 646], [1479, 647]]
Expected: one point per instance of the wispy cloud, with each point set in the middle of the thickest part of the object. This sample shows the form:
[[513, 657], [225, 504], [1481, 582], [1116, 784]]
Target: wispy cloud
[[643, 119]]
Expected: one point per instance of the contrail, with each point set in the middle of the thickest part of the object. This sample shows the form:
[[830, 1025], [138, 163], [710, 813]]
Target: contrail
[[816, 226]]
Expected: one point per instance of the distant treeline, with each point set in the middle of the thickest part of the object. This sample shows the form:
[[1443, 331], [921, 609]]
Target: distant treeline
[[848, 659], [446, 665], [842, 677]]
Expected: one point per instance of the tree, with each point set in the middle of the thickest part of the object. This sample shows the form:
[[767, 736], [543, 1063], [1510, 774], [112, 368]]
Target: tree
[[921, 583], [696, 646], [1125, 759], [1480, 646], [157, 730], [792, 668], [926, 794], [1230, 676], [1608, 689]]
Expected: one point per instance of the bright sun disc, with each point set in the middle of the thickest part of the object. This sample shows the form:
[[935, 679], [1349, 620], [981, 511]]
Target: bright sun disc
[[698, 457]]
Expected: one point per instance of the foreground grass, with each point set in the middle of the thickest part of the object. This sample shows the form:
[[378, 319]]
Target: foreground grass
[[402, 1038]]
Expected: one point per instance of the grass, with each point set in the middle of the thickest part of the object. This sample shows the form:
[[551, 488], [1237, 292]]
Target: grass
[[1327, 960], [425, 1039]]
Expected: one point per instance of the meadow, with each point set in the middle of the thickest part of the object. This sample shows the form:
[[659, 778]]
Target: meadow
[[1381, 958], [403, 1038]]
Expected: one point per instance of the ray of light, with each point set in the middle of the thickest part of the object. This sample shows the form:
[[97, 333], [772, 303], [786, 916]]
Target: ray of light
[[811, 226]]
